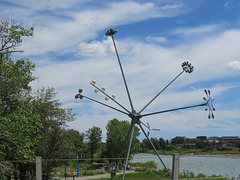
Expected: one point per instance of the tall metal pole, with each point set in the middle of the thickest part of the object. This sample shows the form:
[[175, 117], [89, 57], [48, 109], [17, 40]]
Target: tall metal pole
[[129, 148]]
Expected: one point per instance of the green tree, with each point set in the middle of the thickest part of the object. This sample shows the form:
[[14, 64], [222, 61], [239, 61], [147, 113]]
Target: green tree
[[156, 143], [94, 137], [170, 147], [201, 144], [19, 125], [11, 35], [145, 146], [162, 143], [116, 136], [54, 143], [77, 140], [178, 140]]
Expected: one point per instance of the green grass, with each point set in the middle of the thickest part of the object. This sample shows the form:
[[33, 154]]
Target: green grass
[[146, 174]]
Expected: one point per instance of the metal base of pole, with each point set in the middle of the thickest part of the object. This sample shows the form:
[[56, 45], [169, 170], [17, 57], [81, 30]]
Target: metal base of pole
[[129, 148], [131, 130]]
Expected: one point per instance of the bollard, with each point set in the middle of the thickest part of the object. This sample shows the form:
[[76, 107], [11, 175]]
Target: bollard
[[38, 168], [175, 166]]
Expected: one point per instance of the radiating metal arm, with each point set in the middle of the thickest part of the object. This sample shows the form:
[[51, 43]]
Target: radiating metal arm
[[111, 32], [187, 67], [169, 110], [160, 92], [110, 97], [154, 149], [82, 96]]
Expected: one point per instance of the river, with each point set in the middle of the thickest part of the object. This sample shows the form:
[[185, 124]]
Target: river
[[205, 165]]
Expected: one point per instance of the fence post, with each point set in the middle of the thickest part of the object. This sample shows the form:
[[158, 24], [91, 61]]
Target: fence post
[[175, 166], [38, 168]]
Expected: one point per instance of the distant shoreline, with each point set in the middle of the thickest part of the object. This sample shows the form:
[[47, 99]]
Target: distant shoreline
[[235, 156], [230, 155]]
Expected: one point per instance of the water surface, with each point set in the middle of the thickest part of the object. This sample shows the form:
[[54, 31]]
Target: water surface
[[205, 165]]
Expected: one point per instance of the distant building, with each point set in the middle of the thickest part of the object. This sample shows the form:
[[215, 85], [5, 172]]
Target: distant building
[[215, 138], [231, 139], [228, 139]]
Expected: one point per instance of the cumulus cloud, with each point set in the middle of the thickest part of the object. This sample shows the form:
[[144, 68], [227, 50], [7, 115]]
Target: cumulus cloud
[[63, 31], [96, 48]]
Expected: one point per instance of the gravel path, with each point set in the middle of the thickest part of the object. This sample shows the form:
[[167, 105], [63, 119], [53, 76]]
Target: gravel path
[[95, 177]]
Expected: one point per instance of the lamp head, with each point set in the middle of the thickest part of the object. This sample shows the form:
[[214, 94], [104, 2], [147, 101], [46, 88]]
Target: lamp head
[[111, 32], [187, 67], [76, 96]]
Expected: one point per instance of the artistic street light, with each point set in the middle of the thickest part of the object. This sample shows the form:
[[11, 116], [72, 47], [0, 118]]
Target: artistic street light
[[136, 116]]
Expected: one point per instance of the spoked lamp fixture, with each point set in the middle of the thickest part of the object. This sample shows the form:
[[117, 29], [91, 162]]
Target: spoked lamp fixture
[[136, 116]]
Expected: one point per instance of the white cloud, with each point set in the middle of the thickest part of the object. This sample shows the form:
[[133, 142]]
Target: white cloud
[[156, 39], [64, 31], [148, 67], [183, 121], [145, 79], [198, 30], [96, 48], [45, 4], [235, 65]]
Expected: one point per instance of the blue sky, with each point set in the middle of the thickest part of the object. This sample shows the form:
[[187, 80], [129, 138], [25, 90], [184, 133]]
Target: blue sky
[[70, 50]]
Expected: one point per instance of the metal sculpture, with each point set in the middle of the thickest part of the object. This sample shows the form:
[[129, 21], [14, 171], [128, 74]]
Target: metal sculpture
[[136, 116]]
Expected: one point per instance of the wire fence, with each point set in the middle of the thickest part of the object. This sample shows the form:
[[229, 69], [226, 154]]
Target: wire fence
[[86, 167]]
